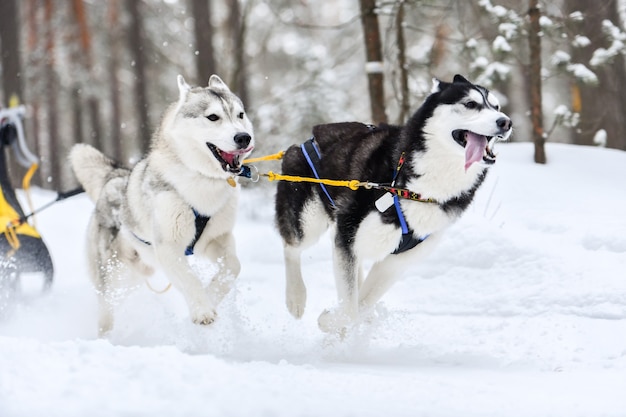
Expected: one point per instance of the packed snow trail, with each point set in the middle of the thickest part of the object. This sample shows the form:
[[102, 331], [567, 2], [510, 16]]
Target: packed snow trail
[[520, 312]]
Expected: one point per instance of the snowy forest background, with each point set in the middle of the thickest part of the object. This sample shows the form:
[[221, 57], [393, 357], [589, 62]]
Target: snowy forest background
[[102, 72]]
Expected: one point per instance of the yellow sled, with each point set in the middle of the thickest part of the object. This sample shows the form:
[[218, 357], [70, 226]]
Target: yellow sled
[[22, 249]]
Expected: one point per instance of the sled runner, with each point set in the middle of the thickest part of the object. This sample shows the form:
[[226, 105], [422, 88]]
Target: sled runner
[[22, 249]]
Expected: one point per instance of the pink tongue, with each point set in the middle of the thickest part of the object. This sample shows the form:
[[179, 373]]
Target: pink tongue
[[475, 148], [229, 158]]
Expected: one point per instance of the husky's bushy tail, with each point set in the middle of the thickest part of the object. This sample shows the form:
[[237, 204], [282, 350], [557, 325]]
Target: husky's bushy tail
[[92, 168]]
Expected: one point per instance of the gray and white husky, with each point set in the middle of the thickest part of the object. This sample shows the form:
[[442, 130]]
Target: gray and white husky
[[179, 200], [442, 154]]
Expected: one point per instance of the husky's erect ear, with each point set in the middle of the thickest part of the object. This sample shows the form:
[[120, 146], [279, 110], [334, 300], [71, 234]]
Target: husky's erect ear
[[183, 88], [460, 79], [217, 83]]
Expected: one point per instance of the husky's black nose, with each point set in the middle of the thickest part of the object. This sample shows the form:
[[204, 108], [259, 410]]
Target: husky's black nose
[[242, 139], [504, 123]]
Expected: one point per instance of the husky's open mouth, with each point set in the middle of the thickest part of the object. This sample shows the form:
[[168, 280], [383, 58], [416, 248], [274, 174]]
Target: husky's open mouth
[[230, 161], [477, 147]]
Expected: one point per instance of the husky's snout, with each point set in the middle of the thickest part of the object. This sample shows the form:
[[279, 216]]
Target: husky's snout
[[504, 124], [242, 139]]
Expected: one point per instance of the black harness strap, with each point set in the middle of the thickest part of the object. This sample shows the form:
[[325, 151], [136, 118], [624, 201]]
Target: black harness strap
[[408, 242], [200, 221], [145, 242]]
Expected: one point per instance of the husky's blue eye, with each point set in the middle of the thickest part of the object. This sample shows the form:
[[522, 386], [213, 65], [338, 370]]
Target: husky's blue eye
[[213, 117], [471, 105], [241, 115]]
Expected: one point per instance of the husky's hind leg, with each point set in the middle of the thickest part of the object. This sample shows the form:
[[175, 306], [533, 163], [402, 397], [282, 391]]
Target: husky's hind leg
[[103, 272], [115, 269], [347, 278], [116, 280], [105, 314], [100, 271]]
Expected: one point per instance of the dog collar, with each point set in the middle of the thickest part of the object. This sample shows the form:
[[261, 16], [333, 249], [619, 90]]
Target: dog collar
[[250, 172]]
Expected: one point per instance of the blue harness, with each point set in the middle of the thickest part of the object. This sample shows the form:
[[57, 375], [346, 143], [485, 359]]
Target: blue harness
[[313, 157], [201, 220], [408, 240]]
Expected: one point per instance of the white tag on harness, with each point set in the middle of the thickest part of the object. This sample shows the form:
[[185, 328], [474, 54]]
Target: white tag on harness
[[384, 202]]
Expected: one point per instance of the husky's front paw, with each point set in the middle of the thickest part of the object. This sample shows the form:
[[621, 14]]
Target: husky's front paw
[[334, 321], [204, 317]]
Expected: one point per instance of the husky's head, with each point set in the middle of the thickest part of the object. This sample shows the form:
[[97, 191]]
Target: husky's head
[[210, 127], [466, 119]]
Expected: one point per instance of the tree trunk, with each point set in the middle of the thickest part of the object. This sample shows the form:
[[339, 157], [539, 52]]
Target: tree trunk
[[85, 59], [115, 135], [32, 78], [136, 46], [93, 108], [404, 76], [51, 93], [601, 106], [10, 41], [10, 64], [77, 116], [203, 30], [374, 60], [94, 117], [536, 113], [237, 24], [78, 8]]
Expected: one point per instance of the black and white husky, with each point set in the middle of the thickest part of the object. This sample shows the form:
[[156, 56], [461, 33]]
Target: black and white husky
[[179, 200], [440, 157]]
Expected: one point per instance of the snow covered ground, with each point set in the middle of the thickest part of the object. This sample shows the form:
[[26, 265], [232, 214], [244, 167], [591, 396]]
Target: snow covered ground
[[520, 312]]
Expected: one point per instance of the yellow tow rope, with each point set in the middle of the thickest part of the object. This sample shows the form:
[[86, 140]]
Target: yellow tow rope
[[278, 155], [351, 184], [272, 176]]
